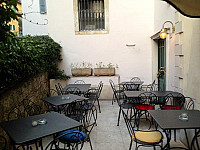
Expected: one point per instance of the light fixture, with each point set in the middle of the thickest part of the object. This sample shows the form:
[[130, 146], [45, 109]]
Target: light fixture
[[163, 32]]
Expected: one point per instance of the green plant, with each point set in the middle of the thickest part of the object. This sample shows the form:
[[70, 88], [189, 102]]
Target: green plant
[[109, 65], [81, 65], [27, 56], [8, 13]]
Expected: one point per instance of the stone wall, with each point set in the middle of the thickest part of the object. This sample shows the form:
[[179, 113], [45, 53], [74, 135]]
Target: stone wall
[[33, 88]]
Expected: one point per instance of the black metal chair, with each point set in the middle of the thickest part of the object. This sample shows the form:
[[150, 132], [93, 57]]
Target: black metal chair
[[196, 141], [58, 90], [79, 82], [135, 79], [189, 103], [95, 92], [3, 143], [70, 139], [172, 102], [117, 90], [123, 103], [146, 102], [73, 90], [147, 138]]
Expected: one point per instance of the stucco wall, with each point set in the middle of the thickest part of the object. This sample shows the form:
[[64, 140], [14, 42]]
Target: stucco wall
[[32, 11], [129, 23]]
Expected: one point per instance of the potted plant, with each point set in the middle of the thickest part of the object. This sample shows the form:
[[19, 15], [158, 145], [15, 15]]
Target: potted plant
[[82, 69], [105, 70]]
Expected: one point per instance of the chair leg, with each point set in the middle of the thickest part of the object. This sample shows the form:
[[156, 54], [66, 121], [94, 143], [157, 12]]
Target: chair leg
[[119, 116], [90, 143], [130, 144], [99, 105]]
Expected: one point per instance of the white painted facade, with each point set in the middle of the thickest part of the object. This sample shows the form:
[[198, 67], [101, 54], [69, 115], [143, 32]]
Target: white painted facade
[[32, 11], [130, 22]]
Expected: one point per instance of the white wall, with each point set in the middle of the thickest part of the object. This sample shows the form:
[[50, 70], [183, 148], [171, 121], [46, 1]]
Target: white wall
[[129, 23], [164, 12], [28, 27]]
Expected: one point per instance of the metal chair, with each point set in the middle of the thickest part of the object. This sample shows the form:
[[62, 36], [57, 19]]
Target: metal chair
[[79, 82], [146, 102], [172, 102], [189, 103], [73, 90], [70, 138], [113, 86], [123, 103], [196, 141], [147, 138], [59, 91], [3, 143], [135, 79]]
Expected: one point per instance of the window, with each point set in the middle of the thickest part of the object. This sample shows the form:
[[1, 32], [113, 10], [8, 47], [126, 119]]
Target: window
[[43, 7], [91, 16]]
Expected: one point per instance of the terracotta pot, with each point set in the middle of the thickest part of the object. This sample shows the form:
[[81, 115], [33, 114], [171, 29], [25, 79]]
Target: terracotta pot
[[81, 72], [104, 71]]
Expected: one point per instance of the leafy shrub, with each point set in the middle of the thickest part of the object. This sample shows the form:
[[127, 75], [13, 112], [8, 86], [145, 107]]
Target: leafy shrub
[[27, 56]]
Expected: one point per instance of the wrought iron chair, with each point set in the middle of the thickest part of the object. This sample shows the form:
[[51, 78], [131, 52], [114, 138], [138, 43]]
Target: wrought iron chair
[[189, 103], [70, 138], [130, 87], [95, 92], [113, 86], [3, 143], [31, 108], [147, 138], [79, 82], [123, 103], [146, 102], [172, 102], [196, 141], [135, 79], [59, 91], [73, 90]]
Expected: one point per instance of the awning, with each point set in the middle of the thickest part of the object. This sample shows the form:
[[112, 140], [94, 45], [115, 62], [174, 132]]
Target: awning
[[189, 8]]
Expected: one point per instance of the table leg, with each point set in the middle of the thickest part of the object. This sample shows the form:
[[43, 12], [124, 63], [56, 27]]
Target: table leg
[[168, 136]]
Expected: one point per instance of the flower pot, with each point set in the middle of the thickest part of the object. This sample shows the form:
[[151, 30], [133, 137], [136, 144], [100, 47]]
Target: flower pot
[[81, 72], [104, 71]]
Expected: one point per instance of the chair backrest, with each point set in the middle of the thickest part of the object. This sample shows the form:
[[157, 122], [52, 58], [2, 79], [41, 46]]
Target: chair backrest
[[73, 139], [112, 84], [135, 79], [130, 87], [79, 82], [31, 108], [189, 103], [128, 124], [147, 98], [59, 91], [73, 90], [3, 143], [174, 100], [100, 87], [15, 113]]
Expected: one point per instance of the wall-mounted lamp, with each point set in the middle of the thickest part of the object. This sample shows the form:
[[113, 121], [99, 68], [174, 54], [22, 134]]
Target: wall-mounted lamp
[[163, 32]]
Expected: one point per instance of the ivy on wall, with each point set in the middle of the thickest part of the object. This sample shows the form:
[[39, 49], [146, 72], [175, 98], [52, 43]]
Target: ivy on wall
[[27, 56]]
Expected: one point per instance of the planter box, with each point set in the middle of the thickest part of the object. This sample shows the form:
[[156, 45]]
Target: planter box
[[81, 72], [104, 71]]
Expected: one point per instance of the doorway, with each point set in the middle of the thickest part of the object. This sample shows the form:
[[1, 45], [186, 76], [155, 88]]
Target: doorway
[[161, 65]]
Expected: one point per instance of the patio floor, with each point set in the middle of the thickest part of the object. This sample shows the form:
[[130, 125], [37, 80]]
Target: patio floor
[[108, 136]]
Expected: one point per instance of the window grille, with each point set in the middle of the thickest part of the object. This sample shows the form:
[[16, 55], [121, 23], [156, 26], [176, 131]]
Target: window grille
[[91, 15]]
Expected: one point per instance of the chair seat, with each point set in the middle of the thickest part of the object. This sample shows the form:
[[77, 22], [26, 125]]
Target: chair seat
[[144, 107], [148, 136], [171, 107], [72, 137]]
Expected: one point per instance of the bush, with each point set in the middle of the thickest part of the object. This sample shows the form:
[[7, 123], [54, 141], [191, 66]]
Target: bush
[[27, 56]]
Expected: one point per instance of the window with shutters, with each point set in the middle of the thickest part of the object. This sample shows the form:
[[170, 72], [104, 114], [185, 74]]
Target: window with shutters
[[91, 16], [43, 9]]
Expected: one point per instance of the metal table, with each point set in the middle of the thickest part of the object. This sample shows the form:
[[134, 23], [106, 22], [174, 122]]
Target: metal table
[[169, 120], [83, 87], [63, 100], [21, 131]]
